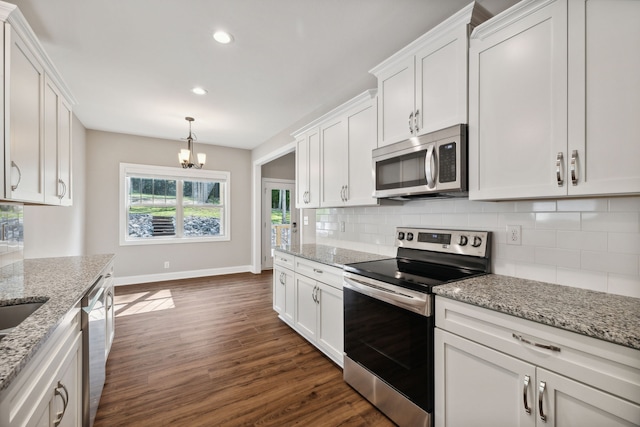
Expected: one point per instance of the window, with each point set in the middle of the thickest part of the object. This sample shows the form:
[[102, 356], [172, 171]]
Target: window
[[172, 205]]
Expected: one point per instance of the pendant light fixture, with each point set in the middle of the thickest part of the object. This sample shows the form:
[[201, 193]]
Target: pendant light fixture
[[186, 155]]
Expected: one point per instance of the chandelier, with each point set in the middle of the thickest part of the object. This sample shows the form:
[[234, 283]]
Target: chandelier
[[186, 155]]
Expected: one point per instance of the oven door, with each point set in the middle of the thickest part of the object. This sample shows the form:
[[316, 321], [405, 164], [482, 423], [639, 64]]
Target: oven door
[[389, 332]]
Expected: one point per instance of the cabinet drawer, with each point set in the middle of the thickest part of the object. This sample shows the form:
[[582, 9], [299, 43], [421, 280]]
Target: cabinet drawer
[[283, 260], [607, 366], [324, 273]]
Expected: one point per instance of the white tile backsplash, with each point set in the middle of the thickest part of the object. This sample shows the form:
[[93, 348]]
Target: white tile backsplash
[[587, 243]]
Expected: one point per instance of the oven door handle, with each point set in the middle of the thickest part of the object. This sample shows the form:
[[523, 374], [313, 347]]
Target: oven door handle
[[418, 303]]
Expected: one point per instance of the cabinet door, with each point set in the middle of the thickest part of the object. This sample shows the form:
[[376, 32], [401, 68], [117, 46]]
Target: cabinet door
[[334, 162], [65, 123], [302, 171], [604, 96], [396, 91], [362, 141], [478, 386], [518, 105], [25, 164], [566, 402], [330, 322], [283, 293], [441, 82], [51, 134], [306, 307], [313, 139], [69, 385]]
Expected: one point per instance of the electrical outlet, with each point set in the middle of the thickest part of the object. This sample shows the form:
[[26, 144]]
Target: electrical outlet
[[166, 264], [514, 235], [305, 220], [342, 226]]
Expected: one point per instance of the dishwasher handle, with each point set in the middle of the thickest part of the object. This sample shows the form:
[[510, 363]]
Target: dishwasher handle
[[93, 295]]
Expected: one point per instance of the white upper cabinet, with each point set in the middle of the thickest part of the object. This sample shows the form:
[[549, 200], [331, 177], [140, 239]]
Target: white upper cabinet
[[333, 156], [308, 168], [423, 87], [24, 178], [37, 118], [346, 143], [554, 96]]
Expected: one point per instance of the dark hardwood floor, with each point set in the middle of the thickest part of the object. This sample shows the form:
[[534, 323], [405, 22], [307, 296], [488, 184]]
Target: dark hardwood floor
[[212, 352]]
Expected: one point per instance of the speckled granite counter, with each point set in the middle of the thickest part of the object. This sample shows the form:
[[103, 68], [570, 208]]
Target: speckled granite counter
[[61, 282], [329, 255], [608, 317]]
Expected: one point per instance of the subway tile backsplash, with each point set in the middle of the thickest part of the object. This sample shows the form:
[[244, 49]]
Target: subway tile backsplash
[[586, 243]]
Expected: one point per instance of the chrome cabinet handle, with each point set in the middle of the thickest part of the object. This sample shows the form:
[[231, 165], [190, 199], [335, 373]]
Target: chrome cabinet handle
[[430, 167], [317, 295], [525, 392], [543, 386], [526, 341], [14, 165], [315, 270], [411, 122], [574, 167], [64, 188], [416, 126], [559, 170], [342, 193], [282, 278], [65, 402], [346, 193]]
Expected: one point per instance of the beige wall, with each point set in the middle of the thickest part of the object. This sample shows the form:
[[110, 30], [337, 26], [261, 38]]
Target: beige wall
[[105, 152], [281, 168], [54, 231]]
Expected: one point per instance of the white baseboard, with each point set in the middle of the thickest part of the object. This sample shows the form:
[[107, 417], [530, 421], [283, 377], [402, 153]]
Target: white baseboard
[[146, 278]]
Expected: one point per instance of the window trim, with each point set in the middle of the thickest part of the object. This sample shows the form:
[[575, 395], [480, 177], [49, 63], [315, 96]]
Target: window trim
[[165, 172]]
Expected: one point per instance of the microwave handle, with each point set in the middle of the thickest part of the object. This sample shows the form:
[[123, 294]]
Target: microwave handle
[[431, 167]]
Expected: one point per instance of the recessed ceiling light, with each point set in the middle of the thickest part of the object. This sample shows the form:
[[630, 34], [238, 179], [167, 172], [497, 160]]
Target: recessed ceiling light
[[222, 37], [199, 91]]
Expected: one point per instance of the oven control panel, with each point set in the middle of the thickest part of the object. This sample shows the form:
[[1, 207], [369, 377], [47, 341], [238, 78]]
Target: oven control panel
[[463, 242]]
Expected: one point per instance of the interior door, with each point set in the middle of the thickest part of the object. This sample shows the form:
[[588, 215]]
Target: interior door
[[279, 217]]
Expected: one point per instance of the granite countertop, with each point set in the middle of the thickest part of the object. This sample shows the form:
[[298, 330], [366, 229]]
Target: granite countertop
[[330, 255], [61, 282], [608, 317]]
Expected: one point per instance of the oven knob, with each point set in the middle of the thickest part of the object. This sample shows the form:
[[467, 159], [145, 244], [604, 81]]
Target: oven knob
[[409, 236], [400, 235], [477, 241], [463, 240]]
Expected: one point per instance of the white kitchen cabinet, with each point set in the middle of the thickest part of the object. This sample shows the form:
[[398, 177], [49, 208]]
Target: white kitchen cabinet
[[490, 372], [423, 87], [57, 146], [553, 101], [48, 391], [37, 118], [308, 168], [308, 297], [109, 304], [283, 286], [23, 98], [346, 143]]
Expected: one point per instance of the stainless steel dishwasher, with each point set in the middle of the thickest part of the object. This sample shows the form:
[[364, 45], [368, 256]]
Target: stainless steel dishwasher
[[93, 350]]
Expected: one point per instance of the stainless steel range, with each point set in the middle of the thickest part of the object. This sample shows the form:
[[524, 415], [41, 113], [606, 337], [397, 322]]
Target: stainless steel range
[[389, 321]]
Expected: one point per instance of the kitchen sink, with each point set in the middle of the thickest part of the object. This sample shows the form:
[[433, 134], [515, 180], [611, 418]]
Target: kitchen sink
[[12, 315]]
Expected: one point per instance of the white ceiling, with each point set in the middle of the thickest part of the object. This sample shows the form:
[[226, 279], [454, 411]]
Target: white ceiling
[[131, 64]]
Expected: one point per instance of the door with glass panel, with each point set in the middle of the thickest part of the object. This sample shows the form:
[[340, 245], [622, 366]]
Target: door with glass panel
[[279, 218]]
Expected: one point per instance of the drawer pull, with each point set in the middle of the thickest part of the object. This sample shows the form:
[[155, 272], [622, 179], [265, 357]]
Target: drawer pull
[[541, 390], [65, 402], [526, 341], [525, 392], [315, 270]]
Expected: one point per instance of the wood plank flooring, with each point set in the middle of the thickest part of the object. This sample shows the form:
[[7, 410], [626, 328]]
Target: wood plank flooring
[[212, 352]]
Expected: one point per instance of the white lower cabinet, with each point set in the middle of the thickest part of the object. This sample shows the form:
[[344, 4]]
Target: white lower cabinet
[[309, 299], [486, 375], [283, 289], [48, 391]]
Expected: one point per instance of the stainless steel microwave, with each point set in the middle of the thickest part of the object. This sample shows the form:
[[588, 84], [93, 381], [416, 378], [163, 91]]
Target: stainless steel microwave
[[428, 165]]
